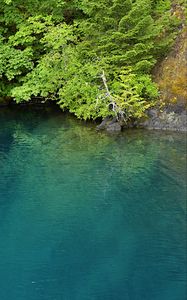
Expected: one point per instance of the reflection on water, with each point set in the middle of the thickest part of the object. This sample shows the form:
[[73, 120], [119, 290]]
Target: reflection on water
[[87, 215]]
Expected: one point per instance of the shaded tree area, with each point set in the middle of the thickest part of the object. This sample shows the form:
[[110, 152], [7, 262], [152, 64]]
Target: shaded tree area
[[93, 57]]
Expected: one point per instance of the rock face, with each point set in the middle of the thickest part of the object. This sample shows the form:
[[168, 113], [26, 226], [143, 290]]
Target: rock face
[[171, 76], [175, 120], [171, 73]]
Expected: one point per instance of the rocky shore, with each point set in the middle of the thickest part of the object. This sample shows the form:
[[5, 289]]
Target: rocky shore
[[166, 120], [171, 118]]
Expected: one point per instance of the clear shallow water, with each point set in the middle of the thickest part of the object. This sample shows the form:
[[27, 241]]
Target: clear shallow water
[[90, 216]]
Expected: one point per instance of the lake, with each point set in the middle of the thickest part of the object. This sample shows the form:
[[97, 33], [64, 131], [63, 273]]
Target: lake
[[87, 215]]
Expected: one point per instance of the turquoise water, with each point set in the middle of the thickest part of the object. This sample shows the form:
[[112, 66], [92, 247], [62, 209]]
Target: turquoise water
[[87, 215]]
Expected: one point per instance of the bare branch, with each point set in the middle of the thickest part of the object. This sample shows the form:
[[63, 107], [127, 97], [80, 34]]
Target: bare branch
[[112, 102]]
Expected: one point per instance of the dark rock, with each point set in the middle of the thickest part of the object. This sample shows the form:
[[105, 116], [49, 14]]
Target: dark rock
[[106, 122], [114, 127], [114, 120], [152, 113], [103, 124], [167, 119], [176, 108]]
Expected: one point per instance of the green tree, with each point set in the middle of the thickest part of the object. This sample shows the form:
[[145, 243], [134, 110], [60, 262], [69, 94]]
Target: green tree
[[61, 49]]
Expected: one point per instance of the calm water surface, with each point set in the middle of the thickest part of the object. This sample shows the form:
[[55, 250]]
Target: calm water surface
[[90, 216]]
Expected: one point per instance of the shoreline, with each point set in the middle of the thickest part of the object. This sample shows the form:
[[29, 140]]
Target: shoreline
[[170, 119]]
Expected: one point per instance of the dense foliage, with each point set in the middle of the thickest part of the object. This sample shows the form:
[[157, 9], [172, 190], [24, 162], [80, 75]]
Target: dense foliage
[[93, 57]]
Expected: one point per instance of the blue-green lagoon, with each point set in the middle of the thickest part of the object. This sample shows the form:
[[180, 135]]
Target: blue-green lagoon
[[86, 215]]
